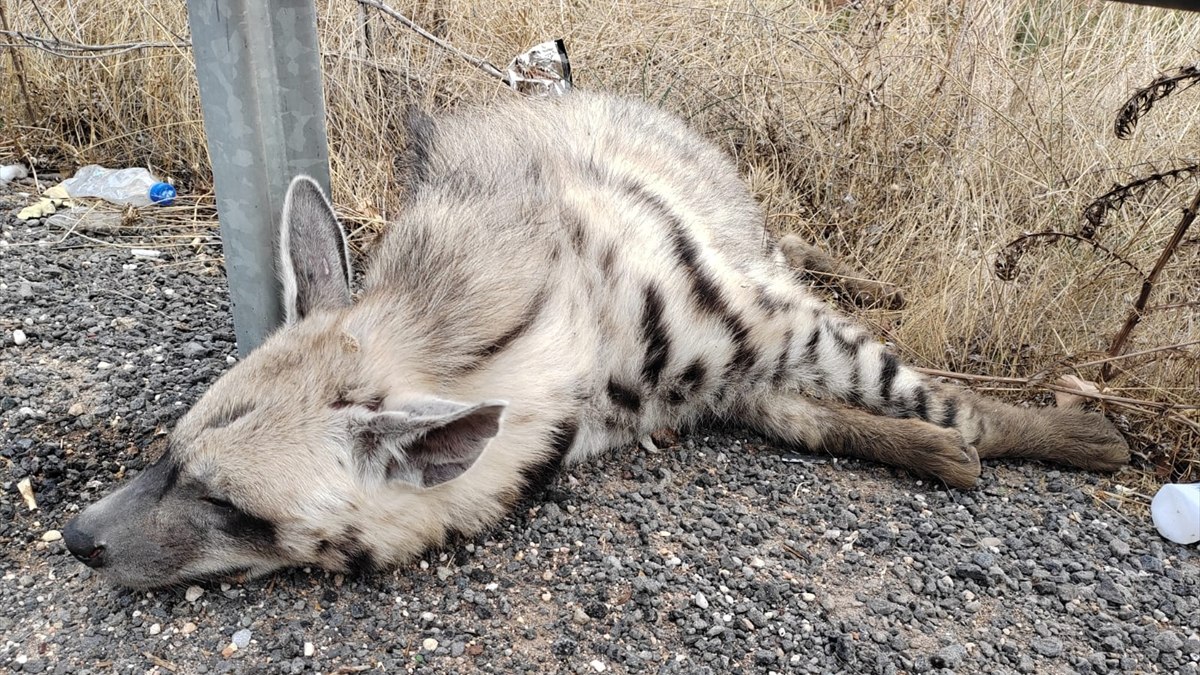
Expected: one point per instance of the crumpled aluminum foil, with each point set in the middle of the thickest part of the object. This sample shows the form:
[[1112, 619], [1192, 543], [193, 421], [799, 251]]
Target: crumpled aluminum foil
[[543, 71]]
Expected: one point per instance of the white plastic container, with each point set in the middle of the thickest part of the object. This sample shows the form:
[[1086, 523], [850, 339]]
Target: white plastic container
[[1176, 512], [120, 186]]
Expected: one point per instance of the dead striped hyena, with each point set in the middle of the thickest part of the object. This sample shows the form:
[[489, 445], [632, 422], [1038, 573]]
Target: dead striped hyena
[[567, 276]]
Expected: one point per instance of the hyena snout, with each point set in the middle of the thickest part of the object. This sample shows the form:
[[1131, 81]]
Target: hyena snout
[[83, 545]]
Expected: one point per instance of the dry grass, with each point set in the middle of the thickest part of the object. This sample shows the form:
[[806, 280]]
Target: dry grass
[[916, 138]]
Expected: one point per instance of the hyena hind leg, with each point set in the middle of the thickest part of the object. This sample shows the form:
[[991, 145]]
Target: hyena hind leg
[[841, 278], [911, 444]]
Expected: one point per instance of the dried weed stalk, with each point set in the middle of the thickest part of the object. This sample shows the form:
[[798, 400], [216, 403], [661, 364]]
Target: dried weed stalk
[[1144, 99], [1094, 213]]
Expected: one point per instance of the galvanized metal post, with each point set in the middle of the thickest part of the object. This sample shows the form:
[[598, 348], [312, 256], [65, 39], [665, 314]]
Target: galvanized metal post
[[259, 67]]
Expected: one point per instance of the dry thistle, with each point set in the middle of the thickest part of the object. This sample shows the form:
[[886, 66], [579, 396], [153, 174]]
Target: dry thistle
[[1115, 198], [1144, 99], [1008, 263]]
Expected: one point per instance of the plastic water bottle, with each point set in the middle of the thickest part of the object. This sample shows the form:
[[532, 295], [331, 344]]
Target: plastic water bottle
[[120, 186], [1176, 512]]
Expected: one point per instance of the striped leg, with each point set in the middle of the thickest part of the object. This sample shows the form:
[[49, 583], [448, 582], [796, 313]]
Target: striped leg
[[840, 430], [832, 358]]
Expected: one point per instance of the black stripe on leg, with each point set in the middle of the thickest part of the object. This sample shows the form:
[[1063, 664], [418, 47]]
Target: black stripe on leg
[[693, 377], [654, 334], [536, 477], [949, 413], [920, 407], [690, 381], [887, 375], [781, 365], [623, 396], [361, 562], [855, 395], [849, 346], [576, 230], [608, 261], [813, 344], [768, 302]]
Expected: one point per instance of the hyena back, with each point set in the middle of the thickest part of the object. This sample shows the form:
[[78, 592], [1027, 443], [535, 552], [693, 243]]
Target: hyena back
[[567, 276]]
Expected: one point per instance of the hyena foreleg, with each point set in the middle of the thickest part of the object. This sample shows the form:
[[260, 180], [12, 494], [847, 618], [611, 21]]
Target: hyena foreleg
[[1062, 435], [829, 358], [840, 430]]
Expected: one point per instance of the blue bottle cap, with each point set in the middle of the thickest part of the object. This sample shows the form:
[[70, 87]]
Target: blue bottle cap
[[162, 194]]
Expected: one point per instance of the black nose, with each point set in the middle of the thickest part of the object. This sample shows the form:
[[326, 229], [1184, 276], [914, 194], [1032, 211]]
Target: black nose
[[83, 546]]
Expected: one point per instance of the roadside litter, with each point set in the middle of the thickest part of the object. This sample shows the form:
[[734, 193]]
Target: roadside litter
[[126, 187]]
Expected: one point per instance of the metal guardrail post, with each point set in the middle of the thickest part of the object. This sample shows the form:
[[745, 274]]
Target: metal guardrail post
[[1191, 5], [259, 67]]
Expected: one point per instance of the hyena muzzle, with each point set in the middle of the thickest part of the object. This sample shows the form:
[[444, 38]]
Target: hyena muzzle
[[567, 276]]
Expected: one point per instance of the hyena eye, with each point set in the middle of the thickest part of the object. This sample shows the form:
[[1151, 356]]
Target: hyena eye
[[218, 502]]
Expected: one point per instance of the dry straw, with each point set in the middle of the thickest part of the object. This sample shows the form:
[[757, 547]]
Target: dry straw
[[916, 138]]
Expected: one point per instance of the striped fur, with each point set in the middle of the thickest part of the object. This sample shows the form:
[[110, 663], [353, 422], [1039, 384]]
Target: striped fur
[[589, 267]]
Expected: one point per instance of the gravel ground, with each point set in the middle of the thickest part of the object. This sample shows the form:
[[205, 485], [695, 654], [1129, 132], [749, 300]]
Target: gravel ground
[[719, 554]]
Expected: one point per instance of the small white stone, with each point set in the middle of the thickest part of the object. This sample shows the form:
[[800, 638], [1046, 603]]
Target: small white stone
[[757, 562], [241, 638], [309, 649], [701, 601], [103, 365], [807, 597], [546, 596], [19, 337], [429, 644], [598, 666], [156, 629], [52, 535], [188, 627], [193, 593]]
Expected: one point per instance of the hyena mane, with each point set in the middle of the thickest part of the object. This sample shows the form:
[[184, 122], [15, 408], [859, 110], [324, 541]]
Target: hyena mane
[[566, 276]]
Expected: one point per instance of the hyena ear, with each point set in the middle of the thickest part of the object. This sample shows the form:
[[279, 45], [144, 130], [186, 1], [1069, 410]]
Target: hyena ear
[[314, 261], [426, 443]]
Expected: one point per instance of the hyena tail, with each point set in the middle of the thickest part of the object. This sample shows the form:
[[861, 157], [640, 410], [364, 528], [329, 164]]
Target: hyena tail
[[874, 407]]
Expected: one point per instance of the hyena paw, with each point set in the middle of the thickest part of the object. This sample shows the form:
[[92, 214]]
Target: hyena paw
[[954, 462], [877, 295], [1090, 441]]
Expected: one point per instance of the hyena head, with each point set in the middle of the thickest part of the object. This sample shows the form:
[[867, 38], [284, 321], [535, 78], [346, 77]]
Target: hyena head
[[293, 455]]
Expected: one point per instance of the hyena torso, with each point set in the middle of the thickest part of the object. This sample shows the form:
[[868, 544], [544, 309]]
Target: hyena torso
[[566, 276]]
